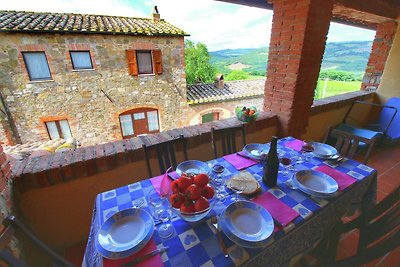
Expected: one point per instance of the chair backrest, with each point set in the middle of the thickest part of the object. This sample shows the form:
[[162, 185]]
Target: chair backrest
[[165, 154], [390, 118], [379, 232], [12, 226], [227, 136], [348, 144]]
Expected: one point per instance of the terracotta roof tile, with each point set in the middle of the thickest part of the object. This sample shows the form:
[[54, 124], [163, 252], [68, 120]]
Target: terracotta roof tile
[[23, 21], [203, 93]]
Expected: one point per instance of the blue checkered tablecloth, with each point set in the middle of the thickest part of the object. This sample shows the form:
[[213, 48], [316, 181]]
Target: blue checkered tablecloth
[[196, 244]]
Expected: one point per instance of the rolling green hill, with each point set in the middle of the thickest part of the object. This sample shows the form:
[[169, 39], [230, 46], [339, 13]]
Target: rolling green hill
[[343, 56]]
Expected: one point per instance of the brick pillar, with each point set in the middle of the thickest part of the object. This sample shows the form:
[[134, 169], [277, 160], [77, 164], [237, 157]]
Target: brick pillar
[[377, 59], [298, 37]]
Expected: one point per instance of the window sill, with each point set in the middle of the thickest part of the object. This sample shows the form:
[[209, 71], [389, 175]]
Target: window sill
[[83, 70], [143, 75], [41, 81]]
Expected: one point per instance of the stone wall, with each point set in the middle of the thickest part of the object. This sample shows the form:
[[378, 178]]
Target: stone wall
[[91, 100], [226, 109]]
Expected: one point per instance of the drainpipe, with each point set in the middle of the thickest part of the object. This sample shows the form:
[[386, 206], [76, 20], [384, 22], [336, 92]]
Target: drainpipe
[[11, 123]]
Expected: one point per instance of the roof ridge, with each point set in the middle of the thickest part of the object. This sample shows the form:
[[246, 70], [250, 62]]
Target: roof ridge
[[67, 13]]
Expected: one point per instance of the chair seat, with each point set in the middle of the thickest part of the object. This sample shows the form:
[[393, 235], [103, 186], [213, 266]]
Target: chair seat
[[368, 134]]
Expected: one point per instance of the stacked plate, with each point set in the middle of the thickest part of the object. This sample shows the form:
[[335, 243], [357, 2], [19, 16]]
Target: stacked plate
[[125, 233], [247, 224], [314, 183], [256, 151], [322, 150], [192, 167]]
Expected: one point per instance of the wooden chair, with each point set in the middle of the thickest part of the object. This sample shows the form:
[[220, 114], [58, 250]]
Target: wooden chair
[[12, 227], [165, 154], [348, 144], [228, 140], [379, 233]]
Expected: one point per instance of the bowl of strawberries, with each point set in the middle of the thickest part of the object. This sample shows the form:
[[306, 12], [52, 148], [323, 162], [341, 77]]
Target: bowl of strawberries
[[192, 196]]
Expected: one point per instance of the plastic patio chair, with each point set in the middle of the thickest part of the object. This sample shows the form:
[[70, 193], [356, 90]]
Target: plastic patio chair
[[387, 127]]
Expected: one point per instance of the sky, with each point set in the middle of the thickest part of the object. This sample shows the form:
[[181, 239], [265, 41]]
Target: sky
[[216, 24]]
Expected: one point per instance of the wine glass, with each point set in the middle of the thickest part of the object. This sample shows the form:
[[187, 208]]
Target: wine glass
[[217, 179], [163, 213], [286, 164], [154, 200], [238, 188], [306, 150]]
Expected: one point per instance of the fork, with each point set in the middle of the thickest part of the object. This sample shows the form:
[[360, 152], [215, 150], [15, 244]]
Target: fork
[[214, 222]]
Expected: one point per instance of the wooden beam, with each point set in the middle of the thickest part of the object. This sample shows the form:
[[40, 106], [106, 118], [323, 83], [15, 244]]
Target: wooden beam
[[252, 3], [375, 7]]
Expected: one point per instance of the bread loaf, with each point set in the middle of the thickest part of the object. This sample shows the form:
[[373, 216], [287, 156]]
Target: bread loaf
[[246, 178]]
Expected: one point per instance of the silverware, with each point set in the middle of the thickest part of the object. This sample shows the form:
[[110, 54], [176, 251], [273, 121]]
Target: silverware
[[214, 222], [144, 257], [246, 157]]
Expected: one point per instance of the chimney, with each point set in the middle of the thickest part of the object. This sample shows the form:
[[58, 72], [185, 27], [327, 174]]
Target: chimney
[[155, 14], [219, 81]]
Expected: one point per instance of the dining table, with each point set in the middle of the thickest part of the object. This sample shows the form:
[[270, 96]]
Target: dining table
[[301, 220]]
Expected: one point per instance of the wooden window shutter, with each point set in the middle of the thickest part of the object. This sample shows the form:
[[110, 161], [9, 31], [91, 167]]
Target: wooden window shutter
[[132, 63], [157, 59]]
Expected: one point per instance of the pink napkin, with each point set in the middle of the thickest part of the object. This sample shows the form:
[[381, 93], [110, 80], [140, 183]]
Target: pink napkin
[[279, 210], [295, 144], [239, 162], [341, 178], [160, 181], [154, 261]]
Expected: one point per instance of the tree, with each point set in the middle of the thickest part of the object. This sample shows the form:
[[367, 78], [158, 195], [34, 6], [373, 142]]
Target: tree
[[237, 75], [198, 67]]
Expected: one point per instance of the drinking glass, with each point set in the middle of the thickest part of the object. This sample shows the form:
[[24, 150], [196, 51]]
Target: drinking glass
[[217, 171], [163, 213], [306, 150], [238, 189], [286, 163]]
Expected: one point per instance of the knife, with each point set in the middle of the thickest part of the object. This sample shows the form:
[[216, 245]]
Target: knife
[[246, 157], [144, 257]]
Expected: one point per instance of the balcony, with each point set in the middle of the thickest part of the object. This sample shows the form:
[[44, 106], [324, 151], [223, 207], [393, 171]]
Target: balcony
[[54, 194]]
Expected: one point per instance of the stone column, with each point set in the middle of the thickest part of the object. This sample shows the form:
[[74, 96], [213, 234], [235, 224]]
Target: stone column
[[380, 51], [298, 37]]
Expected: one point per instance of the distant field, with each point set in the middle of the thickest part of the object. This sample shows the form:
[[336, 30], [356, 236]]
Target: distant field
[[336, 88]]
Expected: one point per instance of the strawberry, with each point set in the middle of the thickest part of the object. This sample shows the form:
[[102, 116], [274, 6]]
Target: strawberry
[[176, 200], [193, 192], [187, 206], [201, 204], [184, 183], [207, 192], [201, 179]]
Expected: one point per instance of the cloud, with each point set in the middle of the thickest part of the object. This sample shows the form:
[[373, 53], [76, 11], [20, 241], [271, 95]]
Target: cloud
[[216, 24]]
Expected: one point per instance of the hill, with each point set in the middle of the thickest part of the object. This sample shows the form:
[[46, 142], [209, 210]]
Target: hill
[[343, 56]]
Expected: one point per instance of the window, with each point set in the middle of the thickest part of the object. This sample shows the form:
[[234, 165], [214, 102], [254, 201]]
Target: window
[[37, 66], [139, 121], [58, 129], [81, 60], [144, 62], [213, 116]]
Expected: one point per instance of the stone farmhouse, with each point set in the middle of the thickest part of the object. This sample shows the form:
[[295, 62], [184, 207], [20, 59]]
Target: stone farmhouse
[[102, 78]]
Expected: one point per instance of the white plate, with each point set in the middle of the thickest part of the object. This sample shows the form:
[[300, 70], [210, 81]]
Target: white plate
[[124, 233], [192, 167], [247, 224], [315, 181], [323, 150], [256, 151]]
